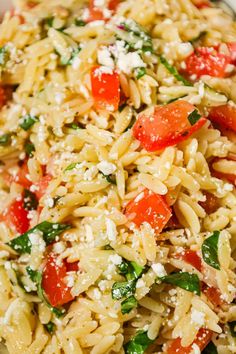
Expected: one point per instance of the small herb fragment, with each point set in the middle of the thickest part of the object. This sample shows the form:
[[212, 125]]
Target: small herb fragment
[[194, 117], [110, 178], [71, 166], [128, 304], [74, 53], [138, 344], [210, 349], [30, 200], [50, 327], [5, 139], [29, 149], [28, 121], [4, 56], [172, 70], [184, 280], [140, 72], [48, 230], [36, 277], [123, 289], [79, 22], [210, 250]]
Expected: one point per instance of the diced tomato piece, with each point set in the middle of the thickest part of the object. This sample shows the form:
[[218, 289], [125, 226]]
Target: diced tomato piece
[[148, 207], [201, 4], [224, 115], [53, 282], [232, 49], [203, 338], [190, 257], [22, 176], [17, 216], [71, 267], [3, 98], [105, 89], [166, 125], [213, 294], [207, 61], [42, 185], [96, 13], [211, 203]]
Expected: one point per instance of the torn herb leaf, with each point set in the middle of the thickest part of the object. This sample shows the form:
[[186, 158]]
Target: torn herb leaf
[[28, 121], [131, 270], [210, 250], [184, 280], [210, 349], [79, 22], [36, 278], [123, 289], [138, 344], [128, 304], [46, 229], [50, 327], [140, 72], [5, 139], [110, 178], [4, 56], [30, 200], [74, 53], [29, 149], [71, 166], [172, 70], [194, 117]]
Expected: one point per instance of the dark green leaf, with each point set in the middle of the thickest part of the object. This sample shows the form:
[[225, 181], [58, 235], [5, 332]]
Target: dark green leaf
[[29, 149], [4, 56], [121, 107], [128, 304], [123, 267], [210, 349], [184, 280], [50, 327], [131, 270], [36, 278], [172, 70], [28, 121], [123, 289], [71, 166], [79, 22], [140, 72], [30, 200], [48, 230], [194, 117], [210, 250], [49, 21], [5, 139], [232, 327], [110, 178], [138, 344]]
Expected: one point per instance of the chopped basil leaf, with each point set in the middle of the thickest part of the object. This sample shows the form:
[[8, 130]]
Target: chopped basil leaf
[[128, 304], [110, 178], [48, 230], [28, 121], [71, 166], [172, 70], [50, 327], [194, 117], [140, 72], [29, 149], [131, 270], [210, 250], [232, 327], [74, 53], [49, 21], [4, 56], [74, 126], [138, 344], [5, 139], [36, 277], [123, 267], [210, 349], [123, 289], [184, 280], [79, 22], [30, 200]]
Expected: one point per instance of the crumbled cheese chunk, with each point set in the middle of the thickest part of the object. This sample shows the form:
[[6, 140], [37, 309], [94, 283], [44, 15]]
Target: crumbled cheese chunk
[[59, 247], [159, 269], [107, 168], [111, 229], [197, 317], [115, 259]]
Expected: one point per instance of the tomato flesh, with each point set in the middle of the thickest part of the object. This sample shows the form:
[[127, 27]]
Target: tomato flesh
[[3, 97], [17, 216], [42, 185], [232, 49], [211, 204], [71, 267], [203, 338], [207, 61], [213, 294], [190, 257], [53, 281], [166, 126], [148, 207], [201, 4], [97, 14], [105, 89], [224, 115]]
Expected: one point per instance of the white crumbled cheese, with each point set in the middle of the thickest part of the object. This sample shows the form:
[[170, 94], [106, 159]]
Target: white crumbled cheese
[[34, 188], [197, 317], [96, 23], [76, 63], [159, 269], [59, 247], [102, 285], [99, 3], [103, 70], [111, 229], [70, 280], [104, 57], [49, 202], [97, 294], [107, 168], [37, 240], [106, 13], [90, 173], [115, 259], [127, 62], [7, 265], [228, 187], [195, 349], [4, 254], [185, 49], [140, 284]]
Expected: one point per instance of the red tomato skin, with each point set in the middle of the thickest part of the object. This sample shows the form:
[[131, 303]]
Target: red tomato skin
[[190, 257], [202, 4], [207, 61], [203, 338], [96, 13], [213, 294], [17, 216], [232, 49], [105, 89], [72, 267], [3, 97], [211, 203], [53, 283], [42, 185], [148, 207], [166, 126], [224, 115]]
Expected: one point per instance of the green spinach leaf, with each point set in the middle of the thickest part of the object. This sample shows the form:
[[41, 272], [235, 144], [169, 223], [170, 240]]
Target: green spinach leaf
[[138, 344], [210, 250], [28, 121], [128, 304], [123, 289], [184, 280]]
